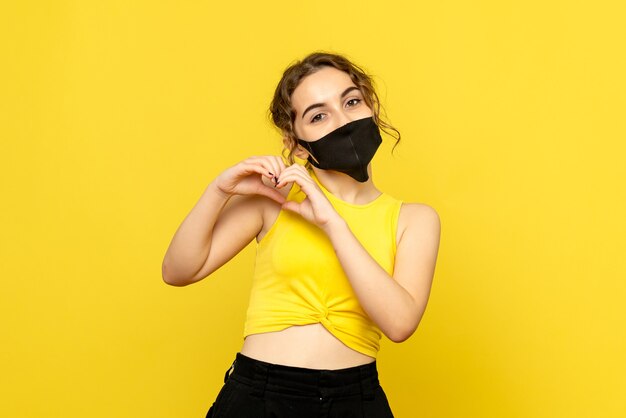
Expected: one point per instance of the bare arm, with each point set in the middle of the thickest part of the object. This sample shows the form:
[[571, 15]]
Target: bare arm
[[225, 219], [396, 303], [191, 255]]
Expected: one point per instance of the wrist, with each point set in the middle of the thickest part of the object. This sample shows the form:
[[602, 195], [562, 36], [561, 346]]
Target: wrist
[[335, 226], [216, 191]]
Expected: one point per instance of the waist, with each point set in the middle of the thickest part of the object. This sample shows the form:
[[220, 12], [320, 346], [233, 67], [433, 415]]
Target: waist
[[304, 381], [310, 346]]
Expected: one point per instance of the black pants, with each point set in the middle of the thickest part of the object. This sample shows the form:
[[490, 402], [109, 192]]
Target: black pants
[[256, 389]]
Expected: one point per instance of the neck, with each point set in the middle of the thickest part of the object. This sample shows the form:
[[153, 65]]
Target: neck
[[345, 187]]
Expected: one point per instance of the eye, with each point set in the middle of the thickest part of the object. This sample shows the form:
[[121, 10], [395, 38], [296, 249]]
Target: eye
[[354, 100], [315, 118]]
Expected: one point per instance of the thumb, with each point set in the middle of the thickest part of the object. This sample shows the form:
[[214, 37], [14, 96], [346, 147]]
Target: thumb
[[271, 193], [292, 206]]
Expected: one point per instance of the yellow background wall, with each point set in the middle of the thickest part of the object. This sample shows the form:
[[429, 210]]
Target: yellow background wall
[[115, 115]]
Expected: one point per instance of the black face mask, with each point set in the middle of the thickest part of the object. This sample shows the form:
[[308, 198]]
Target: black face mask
[[348, 149]]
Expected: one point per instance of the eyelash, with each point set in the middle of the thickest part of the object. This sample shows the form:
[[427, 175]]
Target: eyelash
[[357, 102]]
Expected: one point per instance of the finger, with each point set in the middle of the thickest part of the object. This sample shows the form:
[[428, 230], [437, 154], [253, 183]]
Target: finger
[[289, 179], [261, 162], [271, 193], [250, 168], [295, 175], [298, 169], [276, 170], [292, 206], [277, 166], [291, 169], [266, 161], [271, 169], [282, 164]]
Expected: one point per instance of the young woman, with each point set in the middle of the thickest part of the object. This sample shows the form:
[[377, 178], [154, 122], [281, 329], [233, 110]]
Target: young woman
[[338, 261]]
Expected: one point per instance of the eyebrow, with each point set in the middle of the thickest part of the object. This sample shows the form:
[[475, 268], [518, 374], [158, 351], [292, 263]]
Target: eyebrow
[[313, 106]]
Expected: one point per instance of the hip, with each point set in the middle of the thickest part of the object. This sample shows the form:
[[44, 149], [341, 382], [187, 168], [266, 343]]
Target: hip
[[254, 388]]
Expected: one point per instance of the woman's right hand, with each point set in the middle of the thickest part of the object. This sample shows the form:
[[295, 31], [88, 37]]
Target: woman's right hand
[[245, 177]]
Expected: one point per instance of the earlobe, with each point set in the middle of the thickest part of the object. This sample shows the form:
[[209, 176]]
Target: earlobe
[[301, 153]]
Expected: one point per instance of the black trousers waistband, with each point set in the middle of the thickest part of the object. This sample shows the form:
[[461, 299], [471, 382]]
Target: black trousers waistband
[[265, 376]]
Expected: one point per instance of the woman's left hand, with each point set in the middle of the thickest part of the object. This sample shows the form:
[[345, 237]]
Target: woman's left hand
[[315, 208]]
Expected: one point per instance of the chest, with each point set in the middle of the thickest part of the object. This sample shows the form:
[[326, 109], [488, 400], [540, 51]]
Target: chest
[[294, 247]]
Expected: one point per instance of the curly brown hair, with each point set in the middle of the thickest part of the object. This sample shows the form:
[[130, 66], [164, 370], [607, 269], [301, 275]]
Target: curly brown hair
[[282, 114]]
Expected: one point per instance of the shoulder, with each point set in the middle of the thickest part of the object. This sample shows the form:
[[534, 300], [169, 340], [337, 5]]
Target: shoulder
[[419, 211], [418, 218]]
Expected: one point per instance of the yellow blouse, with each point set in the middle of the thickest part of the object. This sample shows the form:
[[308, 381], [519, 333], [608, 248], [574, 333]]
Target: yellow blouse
[[298, 279]]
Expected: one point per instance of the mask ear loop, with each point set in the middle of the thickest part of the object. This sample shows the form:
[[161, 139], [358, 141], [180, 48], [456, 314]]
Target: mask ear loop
[[312, 156], [309, 153]]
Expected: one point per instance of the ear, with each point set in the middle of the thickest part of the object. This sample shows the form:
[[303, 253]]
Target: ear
[[300, 152]]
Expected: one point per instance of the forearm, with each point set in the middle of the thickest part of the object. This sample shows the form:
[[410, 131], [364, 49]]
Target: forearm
[[191, 243], [387, 303]]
